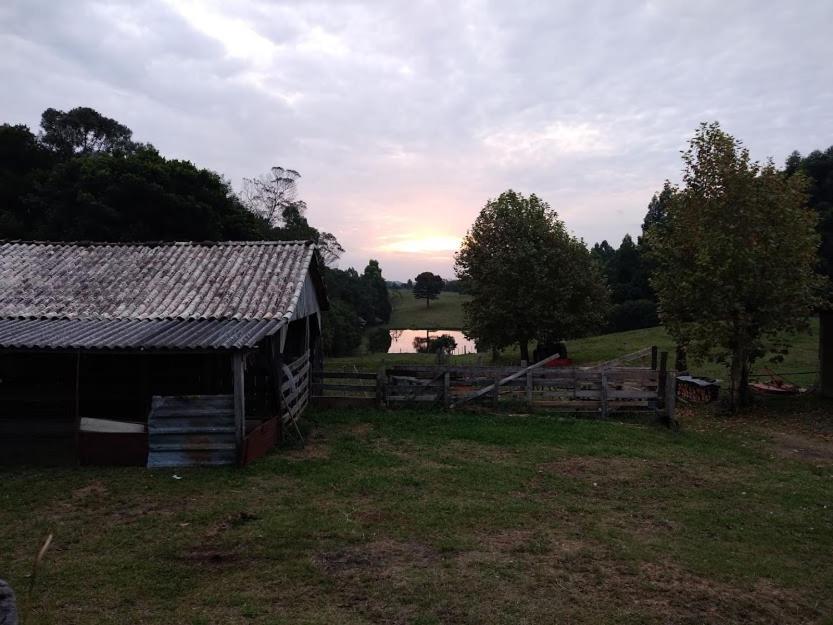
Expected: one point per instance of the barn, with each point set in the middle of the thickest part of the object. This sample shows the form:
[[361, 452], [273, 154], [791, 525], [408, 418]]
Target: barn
[[157, 354]]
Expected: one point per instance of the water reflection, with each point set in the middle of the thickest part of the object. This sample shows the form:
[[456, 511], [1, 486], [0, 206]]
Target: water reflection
[[414, 341]]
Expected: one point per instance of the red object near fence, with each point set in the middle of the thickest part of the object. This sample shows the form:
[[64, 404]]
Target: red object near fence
[[559, 362]]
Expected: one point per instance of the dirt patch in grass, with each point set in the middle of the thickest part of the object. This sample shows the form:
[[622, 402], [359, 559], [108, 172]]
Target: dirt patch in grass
[[95, 489], [589, 575], [816, 450], [231, 521], [378, 559], [312, 450]]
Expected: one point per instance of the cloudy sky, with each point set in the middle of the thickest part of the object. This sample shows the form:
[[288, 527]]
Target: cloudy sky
[[404, 117]]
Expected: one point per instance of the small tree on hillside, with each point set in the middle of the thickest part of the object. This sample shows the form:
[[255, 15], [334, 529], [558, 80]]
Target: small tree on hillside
[[527, 276], [734, 257], [428, 286]]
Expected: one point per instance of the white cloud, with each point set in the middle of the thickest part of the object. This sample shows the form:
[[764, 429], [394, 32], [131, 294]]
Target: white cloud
[[404, 117]]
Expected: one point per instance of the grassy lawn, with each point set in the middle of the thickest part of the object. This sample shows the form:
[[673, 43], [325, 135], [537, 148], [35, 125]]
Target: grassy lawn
[[420, 517], [444, 313]]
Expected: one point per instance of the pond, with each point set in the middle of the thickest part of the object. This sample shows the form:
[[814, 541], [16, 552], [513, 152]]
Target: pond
[[407, 341]]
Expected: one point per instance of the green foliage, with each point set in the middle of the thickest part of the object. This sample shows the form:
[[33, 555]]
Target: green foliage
[[734, 257], [632, 315], [363, 300], [527, 276], [341, 329], [378, 340], [427, 286], [84, 131], [626, 271], [818, 169]]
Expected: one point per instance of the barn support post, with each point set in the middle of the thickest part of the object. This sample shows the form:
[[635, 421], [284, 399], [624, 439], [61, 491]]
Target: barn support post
[[239, 376], [78, 407]]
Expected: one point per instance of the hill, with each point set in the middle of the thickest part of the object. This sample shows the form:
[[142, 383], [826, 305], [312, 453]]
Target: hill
[[444, 313]]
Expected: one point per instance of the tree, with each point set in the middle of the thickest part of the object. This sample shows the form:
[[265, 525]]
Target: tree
[[84, 131], [527, 276], [658, 207], [427, 286], [375, 283], [734, 258], [274, 197]]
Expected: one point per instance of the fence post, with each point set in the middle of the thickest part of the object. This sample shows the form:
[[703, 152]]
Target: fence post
[[381, 376], [661, 379], [603, 393], [496, 390], [529, 388], [671, 397], [654, 357], [446, 390]]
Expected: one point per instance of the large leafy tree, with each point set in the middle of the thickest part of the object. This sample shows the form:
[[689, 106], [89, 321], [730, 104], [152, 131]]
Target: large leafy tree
[[427, 286], [527, 276], [83, 130], [734, 257]]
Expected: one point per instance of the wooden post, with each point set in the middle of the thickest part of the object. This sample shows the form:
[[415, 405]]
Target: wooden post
[[661, 379], [654, 357], [446, 390], [671, 396], [496, 390], [381, 377], [603, 393], [529, 389], [239, 376], [78, 407]]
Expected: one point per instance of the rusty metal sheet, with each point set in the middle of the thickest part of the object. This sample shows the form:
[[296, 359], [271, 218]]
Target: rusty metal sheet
[[193, 430]]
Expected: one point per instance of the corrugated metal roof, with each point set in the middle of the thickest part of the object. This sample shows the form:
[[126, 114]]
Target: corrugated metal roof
[[232, 280], [136, 334], [169, 295]]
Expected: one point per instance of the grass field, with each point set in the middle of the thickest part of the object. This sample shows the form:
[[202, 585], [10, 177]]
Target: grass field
[[420, 518], [444, 313]]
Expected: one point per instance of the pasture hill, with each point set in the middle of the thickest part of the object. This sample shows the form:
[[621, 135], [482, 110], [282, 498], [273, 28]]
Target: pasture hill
[[444, 313]]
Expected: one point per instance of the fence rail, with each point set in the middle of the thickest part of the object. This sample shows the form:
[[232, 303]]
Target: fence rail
[[599, 390]]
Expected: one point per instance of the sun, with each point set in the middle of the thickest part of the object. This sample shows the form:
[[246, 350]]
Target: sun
[[424, 245]]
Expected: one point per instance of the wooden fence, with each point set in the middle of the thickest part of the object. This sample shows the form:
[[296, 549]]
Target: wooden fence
[[597, 391]]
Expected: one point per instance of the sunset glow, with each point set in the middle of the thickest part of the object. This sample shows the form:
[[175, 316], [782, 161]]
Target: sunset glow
[[424, 245]]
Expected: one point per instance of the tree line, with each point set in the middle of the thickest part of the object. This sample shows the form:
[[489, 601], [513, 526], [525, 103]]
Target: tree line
[[83, 177]]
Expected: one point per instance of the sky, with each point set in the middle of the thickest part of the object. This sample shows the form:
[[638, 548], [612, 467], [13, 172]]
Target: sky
[[404, 117]]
